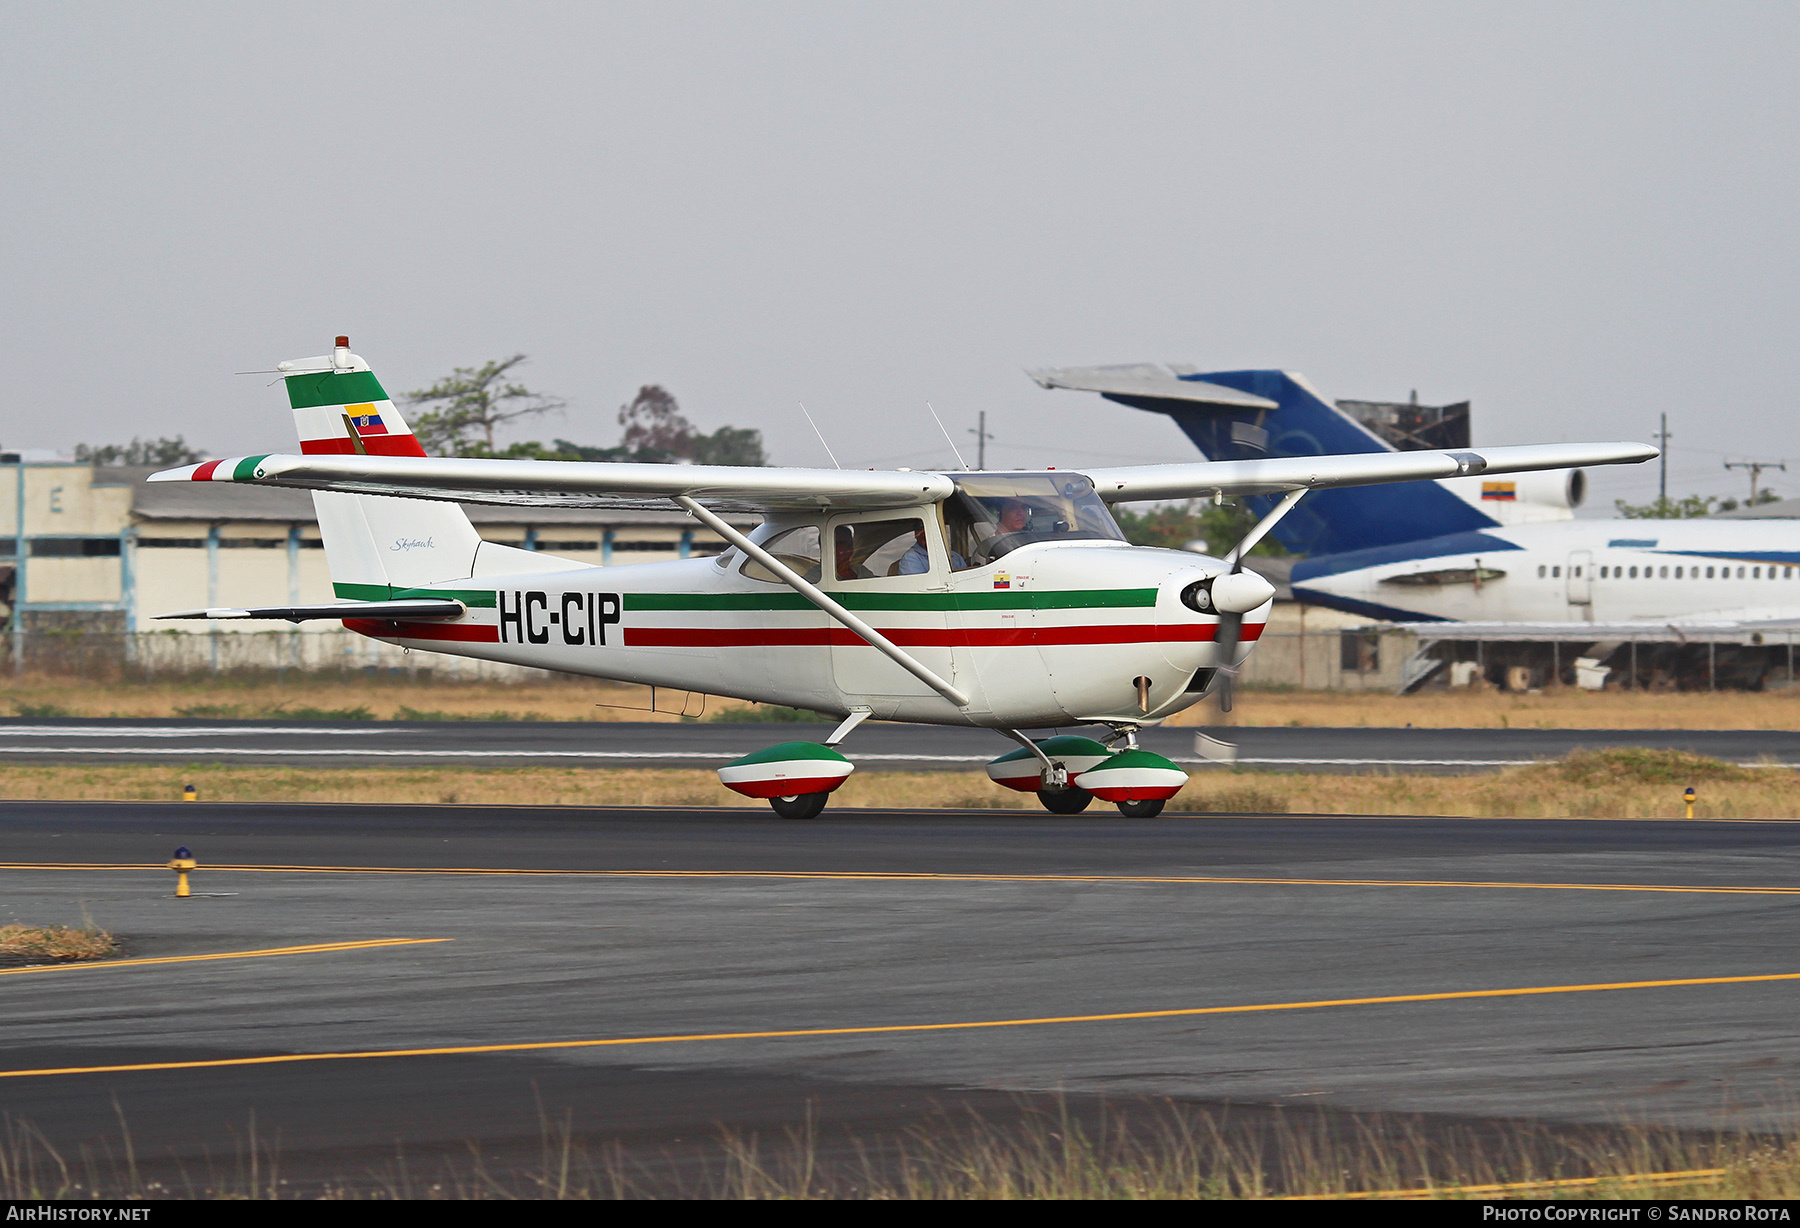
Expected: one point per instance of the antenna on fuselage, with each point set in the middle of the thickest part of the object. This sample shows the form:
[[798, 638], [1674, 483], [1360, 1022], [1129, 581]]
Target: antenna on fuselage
[[947, 439], [819, 433]]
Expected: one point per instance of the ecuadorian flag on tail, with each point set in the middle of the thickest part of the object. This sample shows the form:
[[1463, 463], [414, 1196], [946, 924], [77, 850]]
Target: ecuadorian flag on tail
[[340, 407]]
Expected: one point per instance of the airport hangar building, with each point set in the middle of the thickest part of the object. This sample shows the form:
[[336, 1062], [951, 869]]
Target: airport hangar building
[[94, 549]]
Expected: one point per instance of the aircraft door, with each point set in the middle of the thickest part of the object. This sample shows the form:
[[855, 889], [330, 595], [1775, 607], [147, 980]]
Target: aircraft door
[[888, 570], [1579, 576]]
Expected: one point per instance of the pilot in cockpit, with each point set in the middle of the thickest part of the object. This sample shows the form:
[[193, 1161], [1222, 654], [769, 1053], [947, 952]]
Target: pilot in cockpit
[[917, 560], [847, 566]]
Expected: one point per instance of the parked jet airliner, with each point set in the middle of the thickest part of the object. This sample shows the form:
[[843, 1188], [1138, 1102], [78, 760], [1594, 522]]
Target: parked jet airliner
[[1462, 549]]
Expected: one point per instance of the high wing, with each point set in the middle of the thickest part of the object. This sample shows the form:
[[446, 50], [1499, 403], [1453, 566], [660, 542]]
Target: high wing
[[592, 484], [1276, 474], [575, 483]]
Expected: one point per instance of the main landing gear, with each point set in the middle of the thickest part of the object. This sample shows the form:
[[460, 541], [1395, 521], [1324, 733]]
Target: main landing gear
[[802, 806], [1067, 800], [1067, 773], [796, 778]]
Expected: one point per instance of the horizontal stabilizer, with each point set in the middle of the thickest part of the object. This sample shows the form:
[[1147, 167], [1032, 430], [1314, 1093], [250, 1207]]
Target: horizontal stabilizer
[[338, 609], [1147, 380]]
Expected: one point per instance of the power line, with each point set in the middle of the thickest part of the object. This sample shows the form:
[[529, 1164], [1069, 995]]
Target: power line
[[1756, 468]]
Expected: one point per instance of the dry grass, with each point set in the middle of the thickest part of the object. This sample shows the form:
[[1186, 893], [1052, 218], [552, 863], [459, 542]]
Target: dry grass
[[329, 697], [1553, 708], [1611, 784], [53, 943], [1150, 1152], [396, 697]]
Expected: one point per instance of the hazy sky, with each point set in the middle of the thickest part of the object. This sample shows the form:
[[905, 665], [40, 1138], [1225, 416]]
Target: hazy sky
[[1577, 215]]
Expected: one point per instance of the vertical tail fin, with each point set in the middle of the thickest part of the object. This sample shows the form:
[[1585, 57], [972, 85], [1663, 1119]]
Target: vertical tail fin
[[1329, 521], [340, 407], [1247, 415], [375, 544]]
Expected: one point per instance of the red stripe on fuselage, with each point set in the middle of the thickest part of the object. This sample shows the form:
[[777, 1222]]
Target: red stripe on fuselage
[[391, 629], [912, 637]]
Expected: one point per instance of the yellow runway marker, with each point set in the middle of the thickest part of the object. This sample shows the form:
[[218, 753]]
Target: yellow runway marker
[[1707, 1175], [316, 948], [878, 1029], [902, 876]]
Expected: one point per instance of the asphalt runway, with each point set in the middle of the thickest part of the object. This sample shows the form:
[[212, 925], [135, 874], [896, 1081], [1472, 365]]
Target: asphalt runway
[[877, 745], [376, 983]]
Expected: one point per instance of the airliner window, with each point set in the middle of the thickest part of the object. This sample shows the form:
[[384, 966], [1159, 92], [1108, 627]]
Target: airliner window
[[798, 548], [991, 515]]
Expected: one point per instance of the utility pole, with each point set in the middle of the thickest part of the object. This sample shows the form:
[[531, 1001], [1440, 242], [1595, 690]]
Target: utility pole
[[1756, 468], [981, 438], [1662, 443]]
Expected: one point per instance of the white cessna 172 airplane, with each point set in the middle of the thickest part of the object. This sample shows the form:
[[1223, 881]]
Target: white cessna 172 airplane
[[1004, 600]]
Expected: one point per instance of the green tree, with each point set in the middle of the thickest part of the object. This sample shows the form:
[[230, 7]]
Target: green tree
[[655, 428], [472, 402], [1671, 509], [172, 451], [1173, 525], [730, 445]]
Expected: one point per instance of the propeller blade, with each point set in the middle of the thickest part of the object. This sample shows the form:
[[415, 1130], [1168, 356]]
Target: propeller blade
[[1225, 646]]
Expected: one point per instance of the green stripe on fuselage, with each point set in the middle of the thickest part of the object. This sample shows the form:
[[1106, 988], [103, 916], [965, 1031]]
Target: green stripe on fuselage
[[333, 388], [475, 599], [1001, 599], [1060, 599]]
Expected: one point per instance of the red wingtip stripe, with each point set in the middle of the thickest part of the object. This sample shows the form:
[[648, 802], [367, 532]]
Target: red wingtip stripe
[[204, 473]]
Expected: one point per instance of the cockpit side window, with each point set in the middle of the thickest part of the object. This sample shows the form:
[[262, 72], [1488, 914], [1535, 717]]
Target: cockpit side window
[[873, 549], [798, 548], [991, 515]]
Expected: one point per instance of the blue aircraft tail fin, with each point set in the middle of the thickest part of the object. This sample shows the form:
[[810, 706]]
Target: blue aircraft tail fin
[[1245, 415]]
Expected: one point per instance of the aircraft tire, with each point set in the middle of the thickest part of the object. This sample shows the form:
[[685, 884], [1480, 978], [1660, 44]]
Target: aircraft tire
[[1147, 808], [1065, 801], [805, 806]]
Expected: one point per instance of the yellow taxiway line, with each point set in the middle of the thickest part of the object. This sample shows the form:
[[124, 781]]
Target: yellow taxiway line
[[908, 876], [972, 1025], [316, 948], [1521, 1187]]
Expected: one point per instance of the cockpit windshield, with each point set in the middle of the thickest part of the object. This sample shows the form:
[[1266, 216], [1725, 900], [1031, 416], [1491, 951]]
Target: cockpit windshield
[[991, 515]]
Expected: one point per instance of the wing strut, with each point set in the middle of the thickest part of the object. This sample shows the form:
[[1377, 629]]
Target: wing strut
[[793, 580], [1261, 530]]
